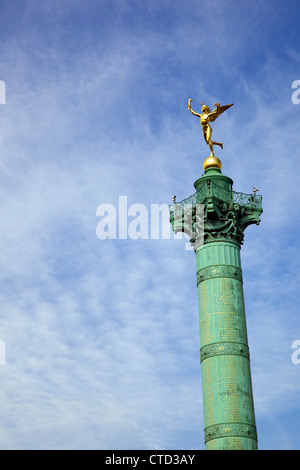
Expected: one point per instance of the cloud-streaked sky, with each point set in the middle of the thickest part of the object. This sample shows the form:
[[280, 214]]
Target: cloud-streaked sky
[[102, 336]]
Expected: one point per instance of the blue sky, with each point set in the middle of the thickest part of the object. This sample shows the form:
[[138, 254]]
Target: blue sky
[[101, 336]]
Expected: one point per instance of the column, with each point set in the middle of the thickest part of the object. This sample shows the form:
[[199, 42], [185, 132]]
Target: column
[[229, 418]]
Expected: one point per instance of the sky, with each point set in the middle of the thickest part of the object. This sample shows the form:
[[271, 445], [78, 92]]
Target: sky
[[101, 336]]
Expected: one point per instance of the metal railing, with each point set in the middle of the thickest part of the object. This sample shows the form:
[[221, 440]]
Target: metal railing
[[222, 194]]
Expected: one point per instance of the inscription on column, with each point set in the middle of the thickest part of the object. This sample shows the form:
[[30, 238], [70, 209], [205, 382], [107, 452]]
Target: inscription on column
[[207, 333], [211, 408], [221, 311], [227, 390]]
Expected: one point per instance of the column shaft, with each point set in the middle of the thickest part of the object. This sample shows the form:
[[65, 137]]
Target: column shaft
[[229, 418]]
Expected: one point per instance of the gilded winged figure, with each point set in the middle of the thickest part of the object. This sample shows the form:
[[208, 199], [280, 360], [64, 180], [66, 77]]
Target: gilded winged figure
[[206, 117]]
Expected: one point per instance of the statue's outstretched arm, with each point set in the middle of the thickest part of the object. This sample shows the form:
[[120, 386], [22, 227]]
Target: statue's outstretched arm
[[190, 108]]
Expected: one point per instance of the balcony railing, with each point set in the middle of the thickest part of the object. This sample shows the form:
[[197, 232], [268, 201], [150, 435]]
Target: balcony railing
[[212, 190]]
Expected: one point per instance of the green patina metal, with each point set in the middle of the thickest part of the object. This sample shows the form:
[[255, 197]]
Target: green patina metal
[[229, 418]]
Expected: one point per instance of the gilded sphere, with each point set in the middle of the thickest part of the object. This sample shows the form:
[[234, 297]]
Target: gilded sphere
[[212, 162]]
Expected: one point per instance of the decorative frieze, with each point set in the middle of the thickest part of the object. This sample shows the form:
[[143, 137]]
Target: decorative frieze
[[211, 272], [224, 348], [218, 431]]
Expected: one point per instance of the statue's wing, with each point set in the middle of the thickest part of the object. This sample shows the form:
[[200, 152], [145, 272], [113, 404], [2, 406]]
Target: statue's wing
[[219, 110]]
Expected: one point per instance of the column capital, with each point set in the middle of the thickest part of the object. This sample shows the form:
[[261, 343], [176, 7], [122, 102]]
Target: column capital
[[227, 213]]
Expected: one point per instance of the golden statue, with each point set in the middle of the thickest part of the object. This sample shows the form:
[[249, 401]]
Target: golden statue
[[206, 117]]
